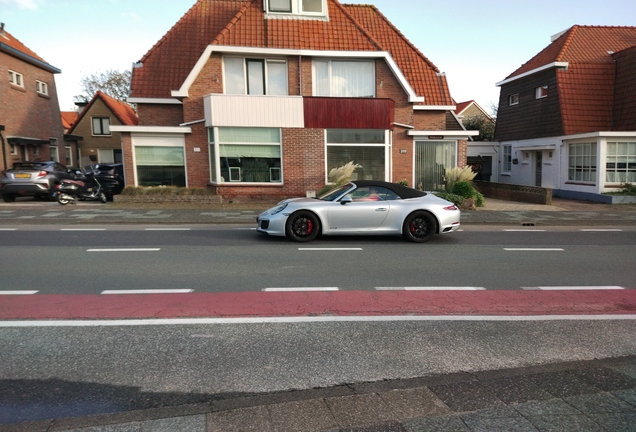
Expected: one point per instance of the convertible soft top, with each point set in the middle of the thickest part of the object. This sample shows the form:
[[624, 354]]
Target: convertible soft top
[[402, 191]]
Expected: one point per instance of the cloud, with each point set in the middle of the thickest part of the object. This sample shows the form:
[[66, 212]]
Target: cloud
[[23, 4]]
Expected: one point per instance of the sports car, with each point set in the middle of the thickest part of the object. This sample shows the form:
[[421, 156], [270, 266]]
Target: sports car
[[362, 207]]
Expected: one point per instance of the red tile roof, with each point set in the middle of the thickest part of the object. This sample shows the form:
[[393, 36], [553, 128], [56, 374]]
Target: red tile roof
[[68, 119], [12, 42], [15, 48], [243, 23], [586, 88], [461, 106], [124, 113]]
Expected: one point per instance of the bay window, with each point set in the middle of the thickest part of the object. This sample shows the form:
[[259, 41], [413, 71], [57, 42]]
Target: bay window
[[582, 162], [621, 162], [245, 155], [344, 78], [365, 147], [255, 76]]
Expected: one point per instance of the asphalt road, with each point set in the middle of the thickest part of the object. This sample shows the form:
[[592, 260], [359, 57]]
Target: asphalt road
[[237, 259]]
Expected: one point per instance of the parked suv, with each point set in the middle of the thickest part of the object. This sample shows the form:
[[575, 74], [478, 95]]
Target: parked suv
[[37, 179], [111, 177]]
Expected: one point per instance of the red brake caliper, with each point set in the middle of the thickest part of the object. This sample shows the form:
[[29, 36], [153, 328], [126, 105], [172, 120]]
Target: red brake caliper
[[310, 226]]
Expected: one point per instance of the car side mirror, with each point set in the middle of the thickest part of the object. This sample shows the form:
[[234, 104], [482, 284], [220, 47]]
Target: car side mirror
[[346, 200]]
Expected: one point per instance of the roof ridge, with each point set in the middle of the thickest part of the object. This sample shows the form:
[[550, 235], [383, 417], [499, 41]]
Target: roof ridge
[[358, 25], [409, 43], [236, 18]]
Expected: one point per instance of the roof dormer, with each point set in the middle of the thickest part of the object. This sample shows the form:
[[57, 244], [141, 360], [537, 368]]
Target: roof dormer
[[295, 8]]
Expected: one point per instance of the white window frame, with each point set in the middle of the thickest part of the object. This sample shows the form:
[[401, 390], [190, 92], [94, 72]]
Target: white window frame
[[513, 99], [507, 159], [16, 78], [329, 62], [586, 162], [541, 92], [615, 155], [101, 126], [13, 149], [54, 153], [387, 154], [296, 8], [266, 78], [42, 87]]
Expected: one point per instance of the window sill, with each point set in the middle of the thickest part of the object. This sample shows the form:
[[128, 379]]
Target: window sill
[[18, 88], [45, 96], [245, 184], [580, 183]]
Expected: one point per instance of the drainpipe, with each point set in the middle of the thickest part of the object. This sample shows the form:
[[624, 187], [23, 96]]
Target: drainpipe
[[4, 150]]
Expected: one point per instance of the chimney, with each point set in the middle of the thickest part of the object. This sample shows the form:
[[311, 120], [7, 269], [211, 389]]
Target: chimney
[[1, 29]]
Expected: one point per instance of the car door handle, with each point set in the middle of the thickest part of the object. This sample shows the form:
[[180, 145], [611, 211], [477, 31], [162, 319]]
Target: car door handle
[[381, 209]]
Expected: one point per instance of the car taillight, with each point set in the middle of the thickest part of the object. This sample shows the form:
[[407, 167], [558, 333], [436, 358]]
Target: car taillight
[[451, 207], [42, 173]]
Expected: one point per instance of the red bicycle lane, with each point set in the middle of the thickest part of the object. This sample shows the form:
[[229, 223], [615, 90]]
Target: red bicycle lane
[[318, 304]]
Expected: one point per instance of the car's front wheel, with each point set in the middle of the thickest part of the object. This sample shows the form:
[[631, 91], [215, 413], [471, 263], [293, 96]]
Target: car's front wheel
[[302, 226], [419, 226]]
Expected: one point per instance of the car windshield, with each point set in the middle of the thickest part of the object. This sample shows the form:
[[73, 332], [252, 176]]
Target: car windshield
[[335, 193], [29, 165]]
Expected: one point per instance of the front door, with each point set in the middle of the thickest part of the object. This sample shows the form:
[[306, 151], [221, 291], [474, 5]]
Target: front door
[[538, 168]]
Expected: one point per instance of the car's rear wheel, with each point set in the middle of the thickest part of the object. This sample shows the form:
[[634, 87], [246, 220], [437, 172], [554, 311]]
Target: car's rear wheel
[[302, 226], [419, 226], [8, 198]]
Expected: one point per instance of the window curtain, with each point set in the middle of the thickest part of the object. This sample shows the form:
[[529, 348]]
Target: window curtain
[[352, 79]]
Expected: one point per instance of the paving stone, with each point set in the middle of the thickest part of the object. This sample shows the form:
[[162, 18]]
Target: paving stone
[[616, 422], [124, 427], [188, 423], [565, 423], [356, 410], [562, 384], [629, 370], [628, 396], [446, 424], [516, 390], [469, 396], [510, 424], [255, 419], [547, 407], [600, 403], [387, 427], [413, 403], [606, 379], [310, 415]]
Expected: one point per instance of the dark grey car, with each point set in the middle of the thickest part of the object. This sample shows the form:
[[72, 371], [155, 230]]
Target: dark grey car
[[36, 179]]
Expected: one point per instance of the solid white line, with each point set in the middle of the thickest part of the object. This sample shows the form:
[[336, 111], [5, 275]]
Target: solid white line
[[558, 288], [167, 229], [534, 249], [148, 291], [125, 250], [83, 229], [445, 288], [18, 292], [524, 230], [8, 229], [300, 289], [600, 229], [329, 249], [283, 320]]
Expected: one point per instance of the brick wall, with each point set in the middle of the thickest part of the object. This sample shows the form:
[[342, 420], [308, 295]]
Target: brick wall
[[159, 115]]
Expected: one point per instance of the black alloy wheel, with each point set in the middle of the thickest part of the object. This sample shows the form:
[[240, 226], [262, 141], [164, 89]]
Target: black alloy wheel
[[419, 226], [8, 198], [302, 226]]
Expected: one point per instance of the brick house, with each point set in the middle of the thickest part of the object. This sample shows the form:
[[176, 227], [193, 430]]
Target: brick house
[[93, 126], [29, 109], [264, 97], [567, 117]]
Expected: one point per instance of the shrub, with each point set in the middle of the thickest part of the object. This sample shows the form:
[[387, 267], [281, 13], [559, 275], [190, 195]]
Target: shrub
[[628, 189], [457, 174], [165, 190], [403, 182], [455, 199], [466, 189]]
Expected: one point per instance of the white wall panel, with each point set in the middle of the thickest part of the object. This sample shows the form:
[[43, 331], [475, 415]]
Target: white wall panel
[[254, 111]]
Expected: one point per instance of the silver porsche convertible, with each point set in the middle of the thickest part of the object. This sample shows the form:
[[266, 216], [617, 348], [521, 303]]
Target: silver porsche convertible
[[362, 207]]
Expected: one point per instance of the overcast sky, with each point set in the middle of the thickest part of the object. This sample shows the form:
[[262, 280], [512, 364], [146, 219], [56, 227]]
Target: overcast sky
[[476, 43]]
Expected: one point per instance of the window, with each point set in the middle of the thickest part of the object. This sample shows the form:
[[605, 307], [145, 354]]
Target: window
[[298, 7], [513, 99], [541, 92], [507, 158], [255, 76], [160, 166], [53, 150], [14, 149], [367, 148], [101, 126], [245, 155], [69, 156], [16, 79], [582, 162], [42, 87], [344, 78], [621, 162]]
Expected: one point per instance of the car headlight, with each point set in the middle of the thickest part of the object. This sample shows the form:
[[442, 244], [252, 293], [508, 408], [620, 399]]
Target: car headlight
[[278, 209]]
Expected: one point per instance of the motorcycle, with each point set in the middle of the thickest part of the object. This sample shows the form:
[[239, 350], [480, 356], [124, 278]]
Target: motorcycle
[[85, 187]]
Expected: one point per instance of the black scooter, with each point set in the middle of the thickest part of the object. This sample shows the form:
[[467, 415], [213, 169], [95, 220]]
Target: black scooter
[[85, 187]]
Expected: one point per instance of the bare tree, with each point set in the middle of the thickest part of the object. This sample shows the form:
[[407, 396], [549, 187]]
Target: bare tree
[[114, 83]]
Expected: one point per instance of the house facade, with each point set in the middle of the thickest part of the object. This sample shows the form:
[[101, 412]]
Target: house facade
[[264, 97], [30, 126], [93, 127], [567, 118]]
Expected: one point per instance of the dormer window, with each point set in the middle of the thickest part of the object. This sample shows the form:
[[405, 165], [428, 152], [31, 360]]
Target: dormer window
[[296, 7]]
